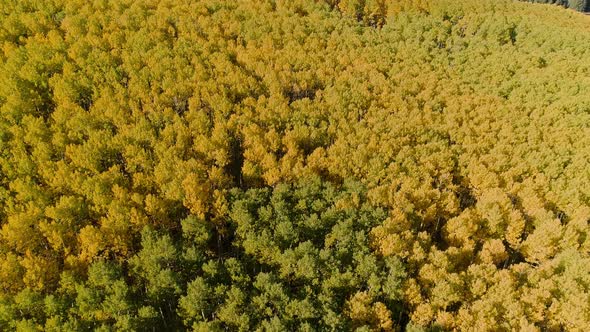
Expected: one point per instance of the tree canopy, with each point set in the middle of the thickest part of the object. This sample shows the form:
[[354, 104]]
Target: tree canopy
[[275, 165]]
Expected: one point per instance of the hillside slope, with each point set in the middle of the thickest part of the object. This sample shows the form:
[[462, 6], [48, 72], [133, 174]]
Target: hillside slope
[[294, 165]]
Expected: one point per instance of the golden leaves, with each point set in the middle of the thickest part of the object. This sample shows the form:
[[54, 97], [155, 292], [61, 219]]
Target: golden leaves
[[363, 310]]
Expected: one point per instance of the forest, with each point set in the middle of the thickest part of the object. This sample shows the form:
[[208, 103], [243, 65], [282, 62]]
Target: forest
[[294, 165], [579, 5]]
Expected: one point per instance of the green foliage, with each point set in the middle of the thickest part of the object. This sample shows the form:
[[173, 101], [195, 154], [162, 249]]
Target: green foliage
[[305, 251], [579, 5]]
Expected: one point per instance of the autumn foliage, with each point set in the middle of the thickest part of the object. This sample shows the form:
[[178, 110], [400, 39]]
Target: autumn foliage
[[281, 165]]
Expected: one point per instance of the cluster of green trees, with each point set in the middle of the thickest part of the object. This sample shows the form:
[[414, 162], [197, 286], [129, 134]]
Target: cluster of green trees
[[293, 165], [579, 5]]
